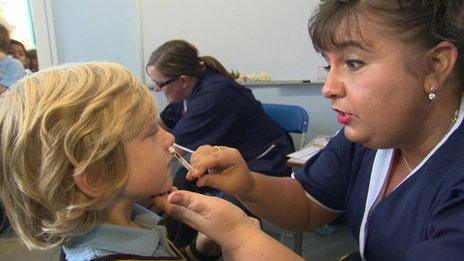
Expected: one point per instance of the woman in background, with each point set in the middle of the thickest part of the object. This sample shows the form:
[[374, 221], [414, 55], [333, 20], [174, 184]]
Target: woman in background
[[18, 51], [34, 62], [207, 106]]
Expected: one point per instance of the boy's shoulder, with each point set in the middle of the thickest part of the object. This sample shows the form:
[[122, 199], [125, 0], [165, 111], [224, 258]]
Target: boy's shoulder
[[178, 255], [126, 257], [110, 239]]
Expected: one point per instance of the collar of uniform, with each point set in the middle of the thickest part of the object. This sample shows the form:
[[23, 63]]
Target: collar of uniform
[[199, 82], [381, 167], [121, 239]]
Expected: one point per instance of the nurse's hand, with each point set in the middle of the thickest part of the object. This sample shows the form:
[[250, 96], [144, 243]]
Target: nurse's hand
[[159, 202], [222, 168], [218, 219]]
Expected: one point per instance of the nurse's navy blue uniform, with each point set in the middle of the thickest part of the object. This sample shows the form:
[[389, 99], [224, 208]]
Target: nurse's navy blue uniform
[[422, 219], [222, 112]]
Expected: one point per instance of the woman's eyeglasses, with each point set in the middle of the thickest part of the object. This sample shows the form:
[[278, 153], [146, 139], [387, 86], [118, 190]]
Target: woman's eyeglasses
[[163, 84]]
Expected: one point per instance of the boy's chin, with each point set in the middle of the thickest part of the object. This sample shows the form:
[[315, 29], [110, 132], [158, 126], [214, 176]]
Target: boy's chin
[[166, 190]]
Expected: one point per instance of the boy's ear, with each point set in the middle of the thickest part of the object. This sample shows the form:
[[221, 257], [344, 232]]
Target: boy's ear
[[441, 61], [82, 182]]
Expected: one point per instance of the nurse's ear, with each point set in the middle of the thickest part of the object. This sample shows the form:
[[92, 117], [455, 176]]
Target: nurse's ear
[[187, 82], [440, 62]]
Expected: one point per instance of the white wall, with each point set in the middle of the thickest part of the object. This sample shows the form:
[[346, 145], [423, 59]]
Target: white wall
[[73, 31], [255, 36], [87, 30]]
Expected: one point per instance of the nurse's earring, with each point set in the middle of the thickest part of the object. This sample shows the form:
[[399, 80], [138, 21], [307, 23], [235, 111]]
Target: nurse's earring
[[432, 96]]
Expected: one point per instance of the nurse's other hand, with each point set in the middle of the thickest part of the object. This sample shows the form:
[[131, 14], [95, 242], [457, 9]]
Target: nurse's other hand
[[218, 219], [159, 203], [222, 168]]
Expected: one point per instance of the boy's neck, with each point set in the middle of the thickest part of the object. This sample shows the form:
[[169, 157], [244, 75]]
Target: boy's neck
[[120, 214]]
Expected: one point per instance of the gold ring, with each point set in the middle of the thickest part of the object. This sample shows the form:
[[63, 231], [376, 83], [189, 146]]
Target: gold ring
[[217, 148]]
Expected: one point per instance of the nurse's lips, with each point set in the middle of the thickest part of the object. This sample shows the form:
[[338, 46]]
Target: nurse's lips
[[342, 117]]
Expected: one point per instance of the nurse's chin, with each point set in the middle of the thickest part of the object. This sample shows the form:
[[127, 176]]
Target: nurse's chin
[[353, 135], [357, 136], [368, 142]]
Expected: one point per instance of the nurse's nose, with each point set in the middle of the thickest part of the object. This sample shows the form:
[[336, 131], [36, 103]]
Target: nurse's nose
[[333, 85], [157, 88]]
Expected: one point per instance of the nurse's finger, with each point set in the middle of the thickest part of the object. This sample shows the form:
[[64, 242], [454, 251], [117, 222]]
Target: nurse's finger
[[221, 158], [201, 152], [188, 206]]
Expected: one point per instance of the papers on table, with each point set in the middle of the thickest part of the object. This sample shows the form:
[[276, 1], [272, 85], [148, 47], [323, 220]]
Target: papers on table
[[310, 149], [305, 154]]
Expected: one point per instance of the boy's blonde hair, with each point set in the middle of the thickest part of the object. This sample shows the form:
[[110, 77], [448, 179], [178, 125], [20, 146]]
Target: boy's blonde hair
[[59, 120]]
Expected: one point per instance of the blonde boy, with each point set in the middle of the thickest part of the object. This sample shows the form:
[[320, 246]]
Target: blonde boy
[[79, 146]]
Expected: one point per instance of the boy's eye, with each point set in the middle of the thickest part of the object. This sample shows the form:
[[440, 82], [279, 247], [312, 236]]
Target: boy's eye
[[152, 130], [354, 65]]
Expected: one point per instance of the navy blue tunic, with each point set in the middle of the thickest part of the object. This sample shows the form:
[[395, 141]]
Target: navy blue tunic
[[422, 219], [222, 112]]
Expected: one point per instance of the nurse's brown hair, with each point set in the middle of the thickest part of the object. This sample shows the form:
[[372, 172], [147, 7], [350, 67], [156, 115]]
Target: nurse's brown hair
[[422, 23]]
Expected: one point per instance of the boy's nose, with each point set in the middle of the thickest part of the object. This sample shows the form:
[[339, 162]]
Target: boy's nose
[[169, 138]]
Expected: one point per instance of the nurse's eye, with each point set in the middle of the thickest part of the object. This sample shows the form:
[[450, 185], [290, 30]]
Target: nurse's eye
[[354, 65], [327, 68]]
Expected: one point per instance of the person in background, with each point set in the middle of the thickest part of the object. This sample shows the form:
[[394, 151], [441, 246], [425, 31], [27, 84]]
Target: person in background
[[11, 69], [396, 82], [207, 106], [34, 62], [18, 51], [71, 171]]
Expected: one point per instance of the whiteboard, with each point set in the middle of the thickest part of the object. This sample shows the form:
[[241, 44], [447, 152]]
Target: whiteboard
[[250, 36]]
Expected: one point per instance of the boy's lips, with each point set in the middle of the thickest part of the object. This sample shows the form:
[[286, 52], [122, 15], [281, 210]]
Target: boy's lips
[[170, 162]]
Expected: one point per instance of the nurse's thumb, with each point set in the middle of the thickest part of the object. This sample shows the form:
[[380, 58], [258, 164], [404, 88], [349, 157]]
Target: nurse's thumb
[[188, 207]]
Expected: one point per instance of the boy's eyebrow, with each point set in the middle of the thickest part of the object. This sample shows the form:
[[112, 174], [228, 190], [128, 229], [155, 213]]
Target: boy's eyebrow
[[152, 127]]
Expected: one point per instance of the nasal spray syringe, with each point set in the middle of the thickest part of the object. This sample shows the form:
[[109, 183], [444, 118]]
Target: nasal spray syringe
[[181, 160]]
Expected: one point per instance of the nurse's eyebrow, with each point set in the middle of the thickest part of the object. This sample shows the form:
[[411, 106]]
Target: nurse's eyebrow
[[352, 43], [344, 44]]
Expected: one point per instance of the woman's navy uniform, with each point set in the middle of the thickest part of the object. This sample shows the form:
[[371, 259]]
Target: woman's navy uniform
[[220, 111], [422, 218]]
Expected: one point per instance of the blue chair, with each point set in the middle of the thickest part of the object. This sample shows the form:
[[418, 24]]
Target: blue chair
[[292, 118]]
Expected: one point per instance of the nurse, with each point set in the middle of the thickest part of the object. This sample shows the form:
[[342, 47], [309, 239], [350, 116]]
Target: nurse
[[395, 80], [207, 106]]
